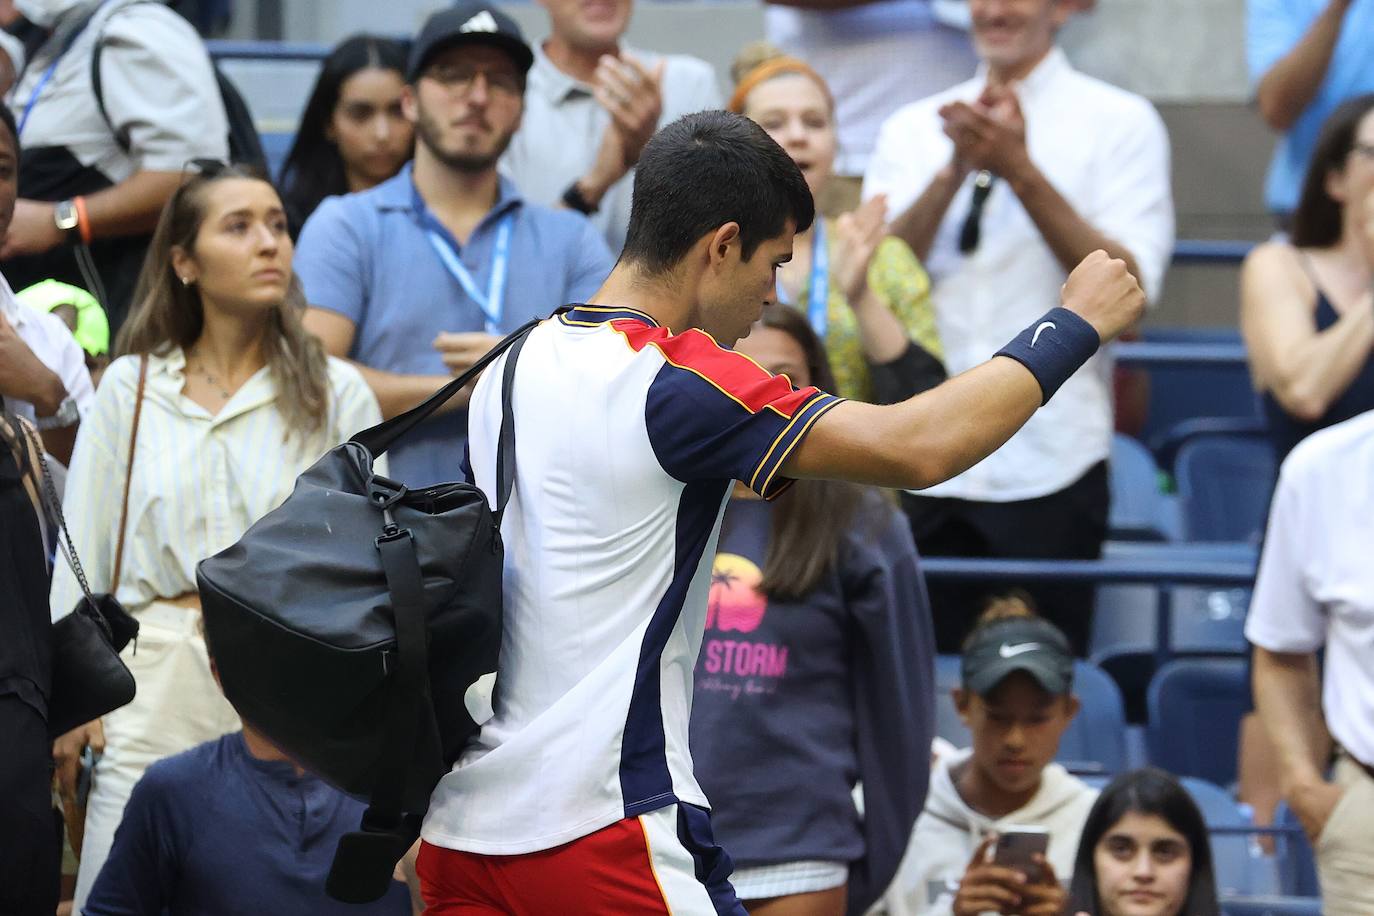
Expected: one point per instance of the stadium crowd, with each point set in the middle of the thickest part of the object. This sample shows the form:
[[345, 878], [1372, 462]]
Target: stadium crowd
[[183, 333]]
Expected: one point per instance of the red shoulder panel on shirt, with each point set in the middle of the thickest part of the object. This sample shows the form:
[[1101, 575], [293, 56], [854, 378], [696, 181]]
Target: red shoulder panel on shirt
[[735, 375]]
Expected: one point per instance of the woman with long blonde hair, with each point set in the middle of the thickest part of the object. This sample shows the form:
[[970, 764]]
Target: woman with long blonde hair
[[218, 400]]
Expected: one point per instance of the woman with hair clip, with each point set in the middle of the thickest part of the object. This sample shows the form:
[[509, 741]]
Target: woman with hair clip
[[875, 315], [815, 674], [219, 399], [1307, 304], [352, 135], [1144, 851]]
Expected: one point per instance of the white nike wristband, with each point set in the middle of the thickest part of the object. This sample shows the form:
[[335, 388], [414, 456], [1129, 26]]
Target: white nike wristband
[[1053, 348]]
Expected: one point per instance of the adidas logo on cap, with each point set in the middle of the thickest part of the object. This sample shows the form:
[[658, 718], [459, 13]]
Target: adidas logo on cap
[[482, 22]]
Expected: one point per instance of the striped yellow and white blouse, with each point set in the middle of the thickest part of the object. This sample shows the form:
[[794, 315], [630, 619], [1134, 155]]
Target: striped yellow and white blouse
[[198, 480]]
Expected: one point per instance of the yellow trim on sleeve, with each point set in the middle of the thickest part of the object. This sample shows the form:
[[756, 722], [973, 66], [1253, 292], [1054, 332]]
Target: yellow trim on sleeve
[[800, 435], [796, 417]]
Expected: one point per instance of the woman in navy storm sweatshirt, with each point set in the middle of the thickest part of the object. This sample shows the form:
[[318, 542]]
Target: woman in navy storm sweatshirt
[[812, 717]]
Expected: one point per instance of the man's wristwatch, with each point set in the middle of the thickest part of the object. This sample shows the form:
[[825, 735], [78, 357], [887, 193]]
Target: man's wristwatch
[[575, 201], [68, 219], [67, 415]]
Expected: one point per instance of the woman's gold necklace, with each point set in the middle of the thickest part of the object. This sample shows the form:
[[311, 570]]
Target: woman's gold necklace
[[213, 382]]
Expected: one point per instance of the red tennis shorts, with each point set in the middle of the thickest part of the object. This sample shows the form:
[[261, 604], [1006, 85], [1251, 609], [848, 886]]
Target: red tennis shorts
[[661, 862]]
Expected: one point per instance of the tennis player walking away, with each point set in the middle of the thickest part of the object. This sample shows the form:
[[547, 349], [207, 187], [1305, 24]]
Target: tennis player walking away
[[632, 420]]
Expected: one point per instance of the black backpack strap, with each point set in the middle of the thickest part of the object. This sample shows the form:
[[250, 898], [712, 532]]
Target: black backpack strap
[[505, 442], [365, 859], [381, 437], [97, 83]]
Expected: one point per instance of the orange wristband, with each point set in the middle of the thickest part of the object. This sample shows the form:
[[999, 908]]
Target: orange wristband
[[83, 221]]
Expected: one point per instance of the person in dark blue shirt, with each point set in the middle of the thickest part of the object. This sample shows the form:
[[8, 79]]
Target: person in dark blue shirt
[[231, 826]]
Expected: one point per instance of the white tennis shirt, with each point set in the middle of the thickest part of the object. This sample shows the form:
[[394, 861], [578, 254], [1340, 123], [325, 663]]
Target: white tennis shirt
[[628, 439]]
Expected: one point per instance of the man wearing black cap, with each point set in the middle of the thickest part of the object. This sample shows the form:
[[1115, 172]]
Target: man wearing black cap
[[1017, 700], [416, 278]]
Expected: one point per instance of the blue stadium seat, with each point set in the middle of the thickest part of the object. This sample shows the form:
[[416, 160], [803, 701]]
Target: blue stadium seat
[[1208, 621], [1182, 392], [1205, 621], [1293, 852], [1195, 707], [1224, 484], [1139, 509], [276, 146], [1094, 742], [1271, 906], [1239, 866]]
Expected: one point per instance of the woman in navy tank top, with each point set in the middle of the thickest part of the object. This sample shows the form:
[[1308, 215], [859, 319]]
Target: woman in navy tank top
[[1307, 306]]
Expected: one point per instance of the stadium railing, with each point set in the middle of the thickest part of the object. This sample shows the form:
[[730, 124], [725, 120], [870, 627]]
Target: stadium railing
[[267, 50]]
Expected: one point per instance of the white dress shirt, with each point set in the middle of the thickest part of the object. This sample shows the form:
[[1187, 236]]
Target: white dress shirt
[[563, 125], [1316, 583], [1106, 151], [876, 56], [52, 342], [199, 480]]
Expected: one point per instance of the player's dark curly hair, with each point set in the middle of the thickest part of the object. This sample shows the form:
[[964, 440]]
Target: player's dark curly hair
[[705, 170]]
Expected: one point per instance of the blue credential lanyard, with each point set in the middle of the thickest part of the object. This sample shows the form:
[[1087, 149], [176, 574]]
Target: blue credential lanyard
[[492, 302], [37, 91], [818, 304]]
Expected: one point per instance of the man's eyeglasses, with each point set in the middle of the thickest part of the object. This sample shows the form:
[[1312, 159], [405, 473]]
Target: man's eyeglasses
[[460, 80]]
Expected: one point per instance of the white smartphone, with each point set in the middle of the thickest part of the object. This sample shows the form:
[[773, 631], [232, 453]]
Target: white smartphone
[[1017, 847]]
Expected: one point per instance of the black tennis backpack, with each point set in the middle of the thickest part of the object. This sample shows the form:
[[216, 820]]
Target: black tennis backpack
[[349, 623]]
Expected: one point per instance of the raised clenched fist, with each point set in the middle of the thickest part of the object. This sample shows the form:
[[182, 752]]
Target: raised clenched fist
[[1105, 294]]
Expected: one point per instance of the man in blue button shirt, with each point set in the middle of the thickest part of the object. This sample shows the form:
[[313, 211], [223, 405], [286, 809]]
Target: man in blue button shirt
[[416, 278], [1305, 58], [232, 826]]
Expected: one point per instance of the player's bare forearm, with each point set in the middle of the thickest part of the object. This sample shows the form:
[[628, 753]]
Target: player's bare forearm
[[926, 439], [942, 432]]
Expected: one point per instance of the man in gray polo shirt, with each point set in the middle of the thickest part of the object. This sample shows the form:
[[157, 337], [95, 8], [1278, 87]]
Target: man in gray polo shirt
[[593, 104], [416, 278]]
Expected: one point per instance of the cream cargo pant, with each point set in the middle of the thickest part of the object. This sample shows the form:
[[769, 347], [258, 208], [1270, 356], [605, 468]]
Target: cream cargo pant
[[1345, 849], [177, 706]]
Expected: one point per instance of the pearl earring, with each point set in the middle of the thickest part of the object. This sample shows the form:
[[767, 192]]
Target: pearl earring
[[185, 281]]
